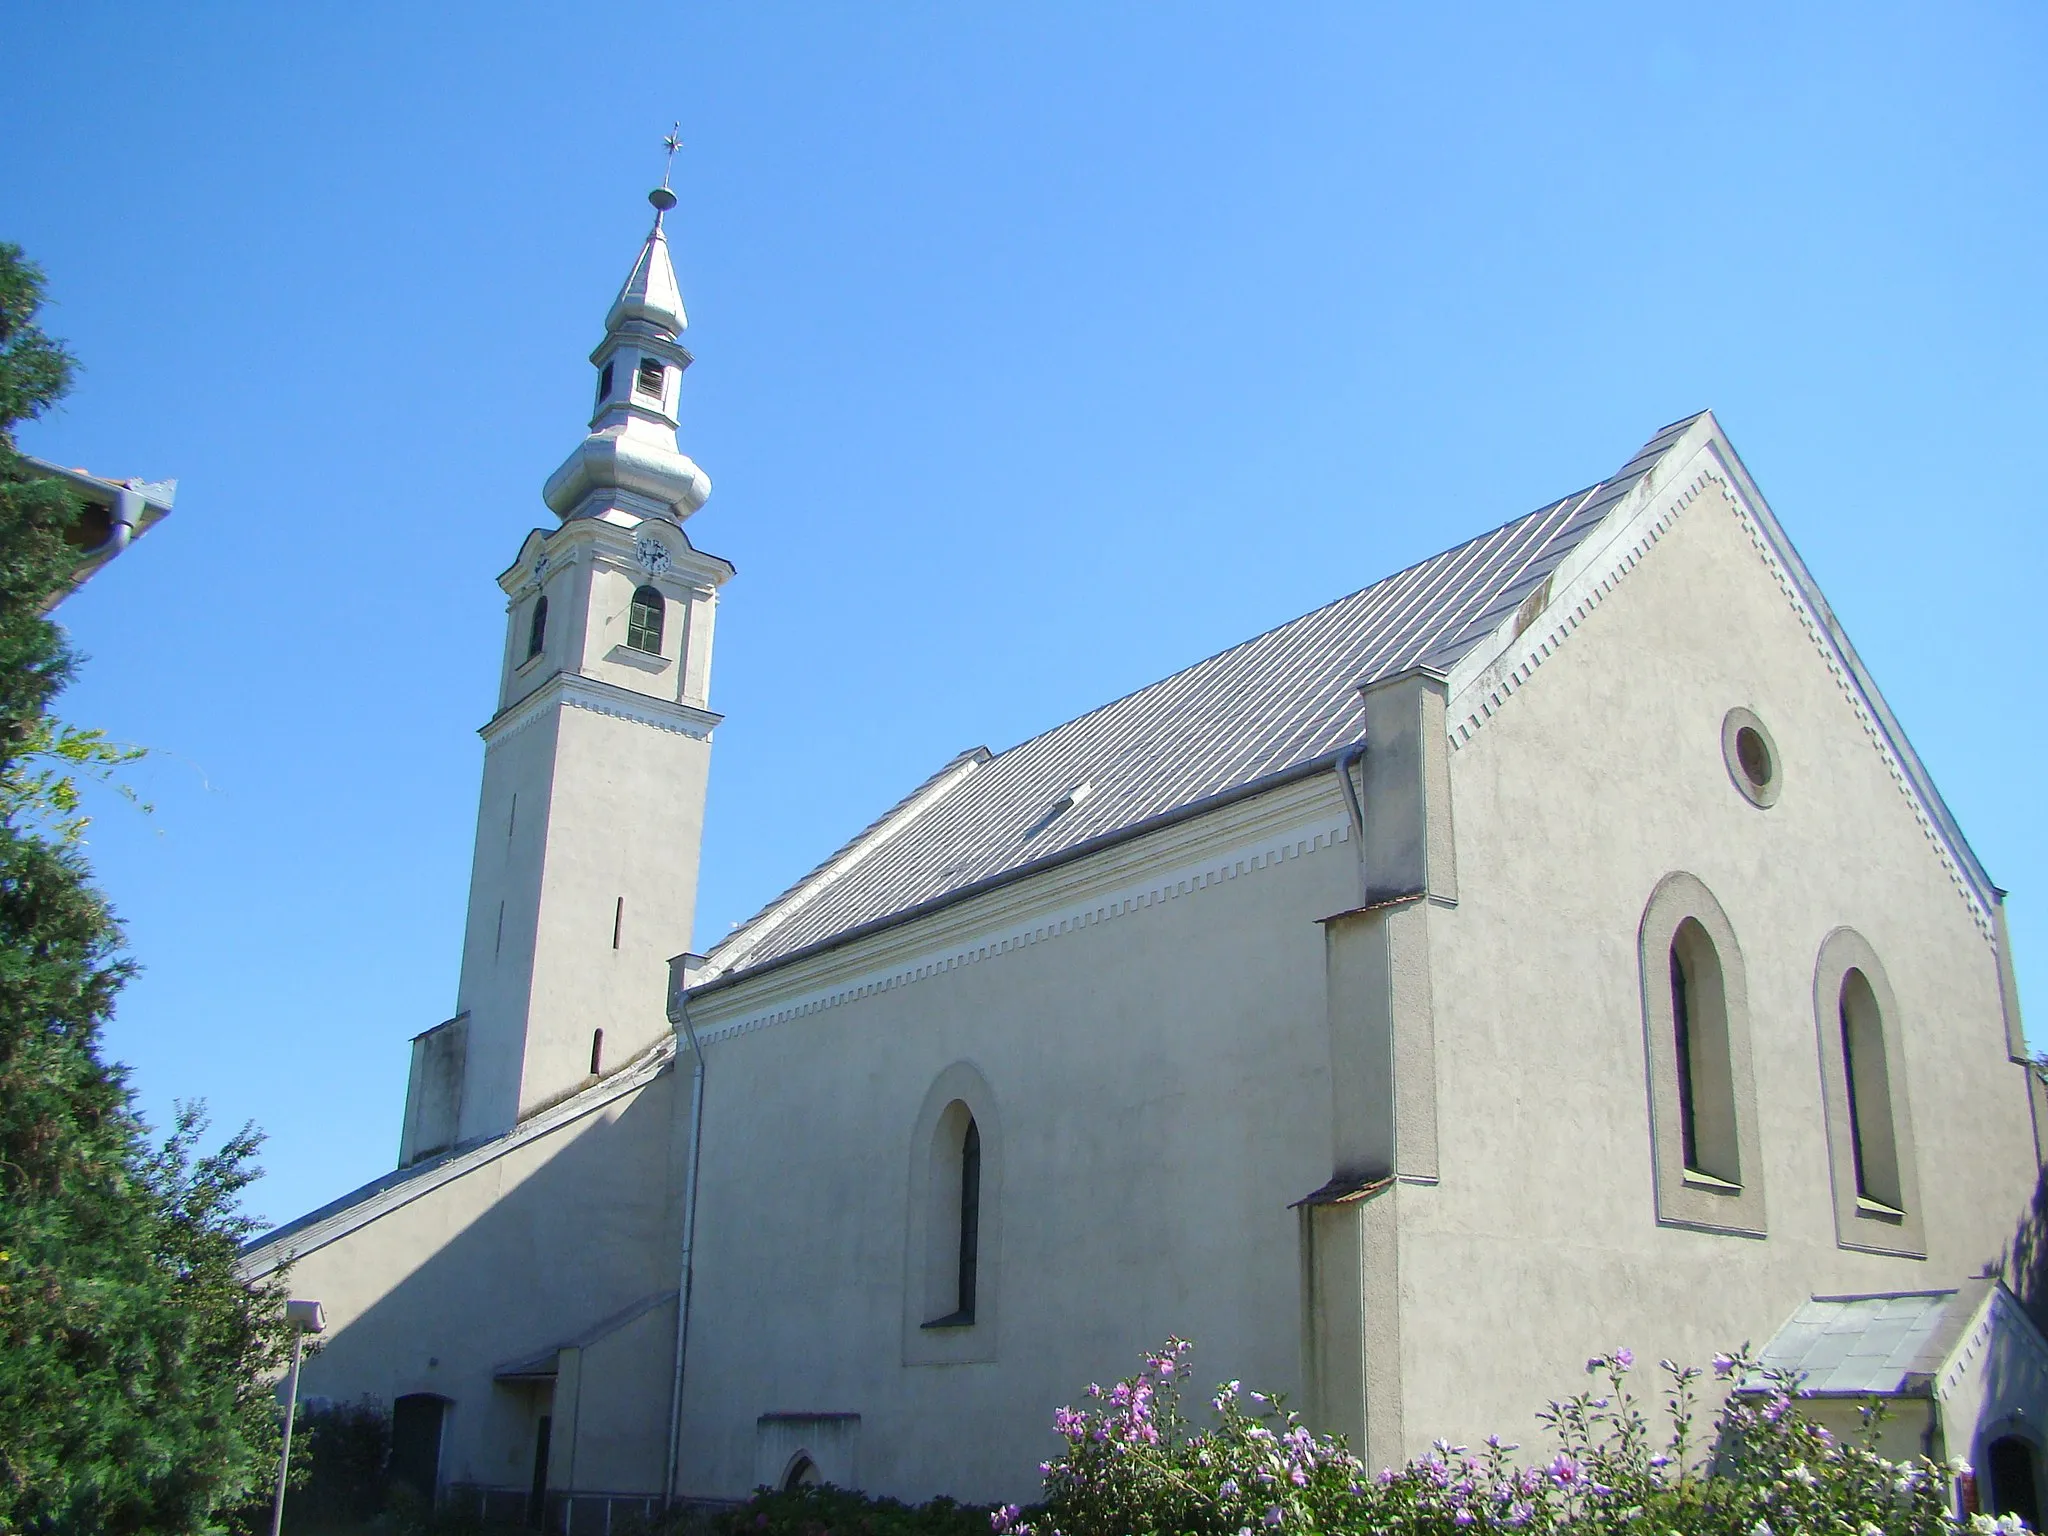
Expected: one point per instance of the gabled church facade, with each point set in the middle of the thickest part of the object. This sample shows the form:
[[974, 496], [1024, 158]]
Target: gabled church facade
[[1553, 946]]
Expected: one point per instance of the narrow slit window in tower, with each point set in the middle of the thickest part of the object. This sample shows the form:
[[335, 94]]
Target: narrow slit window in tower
[[596, 1052], [618, 920], [537, 629]]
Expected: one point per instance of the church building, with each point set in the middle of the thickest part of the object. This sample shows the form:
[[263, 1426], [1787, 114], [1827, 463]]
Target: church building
[[1554, 946]]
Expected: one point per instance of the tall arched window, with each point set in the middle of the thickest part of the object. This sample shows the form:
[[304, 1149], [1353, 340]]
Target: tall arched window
[[643, 621], [955, 1229], [1703, 1120], [1872, 1144], [1699, 1017], [954, 1232], [1863, 1091], [970, 1216], [537, 628]]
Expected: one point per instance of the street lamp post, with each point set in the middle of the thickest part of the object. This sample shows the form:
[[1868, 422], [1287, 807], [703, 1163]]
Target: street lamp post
[[305, 1317]]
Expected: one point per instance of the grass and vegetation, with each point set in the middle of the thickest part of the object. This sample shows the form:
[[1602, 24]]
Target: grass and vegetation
[[1134, 1462]]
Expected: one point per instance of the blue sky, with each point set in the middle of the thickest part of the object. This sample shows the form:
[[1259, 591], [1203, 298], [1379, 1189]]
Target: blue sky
[[1041, 350]]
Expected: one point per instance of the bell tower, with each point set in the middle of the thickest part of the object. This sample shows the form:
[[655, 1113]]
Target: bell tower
[[584, 878]]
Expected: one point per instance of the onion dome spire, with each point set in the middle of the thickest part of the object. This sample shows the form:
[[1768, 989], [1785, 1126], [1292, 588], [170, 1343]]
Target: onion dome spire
[[629, 466]]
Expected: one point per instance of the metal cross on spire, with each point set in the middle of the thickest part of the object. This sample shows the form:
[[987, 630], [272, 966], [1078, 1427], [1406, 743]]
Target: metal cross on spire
[[672, 142]]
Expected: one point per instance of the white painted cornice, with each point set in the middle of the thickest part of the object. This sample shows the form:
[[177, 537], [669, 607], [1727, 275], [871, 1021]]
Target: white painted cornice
[[571, 690]]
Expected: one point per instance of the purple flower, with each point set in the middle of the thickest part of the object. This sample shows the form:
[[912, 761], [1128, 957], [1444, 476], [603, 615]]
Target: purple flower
[[1273, 1517], [1724, 1365], [1002, 1519], [1228, 1487], [1462, 1517], [1625, 1359], [1298, 1477]]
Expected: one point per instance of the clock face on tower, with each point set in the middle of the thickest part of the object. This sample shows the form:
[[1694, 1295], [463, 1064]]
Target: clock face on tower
[[651, 555]]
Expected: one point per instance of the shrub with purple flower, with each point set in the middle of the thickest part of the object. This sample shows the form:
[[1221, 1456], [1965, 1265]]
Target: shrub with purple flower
[[1134, 1465]]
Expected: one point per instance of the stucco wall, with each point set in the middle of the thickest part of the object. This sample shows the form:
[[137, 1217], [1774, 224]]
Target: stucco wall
[[514, 1257], [1160, 1081], [626, 821], [1600, 776]]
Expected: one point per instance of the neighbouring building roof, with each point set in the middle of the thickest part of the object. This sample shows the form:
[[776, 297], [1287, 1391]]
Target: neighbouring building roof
[[1884, 1345], [116, 512], [1244, 719]]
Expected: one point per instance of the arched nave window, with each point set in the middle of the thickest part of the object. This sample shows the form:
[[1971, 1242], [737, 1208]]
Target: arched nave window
[[952, 1235], [1706, 1094], [643, 621], [1707, 1168], [1863, 1089]]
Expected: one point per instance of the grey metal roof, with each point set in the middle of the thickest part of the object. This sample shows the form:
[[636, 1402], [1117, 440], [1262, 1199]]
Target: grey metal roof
[[1249, 715], [1863, 1345]]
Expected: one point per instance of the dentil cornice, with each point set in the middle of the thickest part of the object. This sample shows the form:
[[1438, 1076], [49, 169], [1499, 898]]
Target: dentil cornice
[[572, 690]]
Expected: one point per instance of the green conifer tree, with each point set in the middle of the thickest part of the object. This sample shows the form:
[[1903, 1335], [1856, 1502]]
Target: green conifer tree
[[134, 1363]]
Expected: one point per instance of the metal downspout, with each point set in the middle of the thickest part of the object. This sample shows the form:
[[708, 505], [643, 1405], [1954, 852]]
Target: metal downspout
[[679, 1017], [127, 512], [1345, 760]]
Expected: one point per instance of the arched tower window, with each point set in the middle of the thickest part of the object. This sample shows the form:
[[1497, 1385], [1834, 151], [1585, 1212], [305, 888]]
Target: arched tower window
[[644, 619], [1704, 1144], [537, 628], [1699, 1017]]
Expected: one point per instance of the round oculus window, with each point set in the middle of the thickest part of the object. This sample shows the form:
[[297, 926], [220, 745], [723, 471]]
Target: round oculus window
[[1751, 755]]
